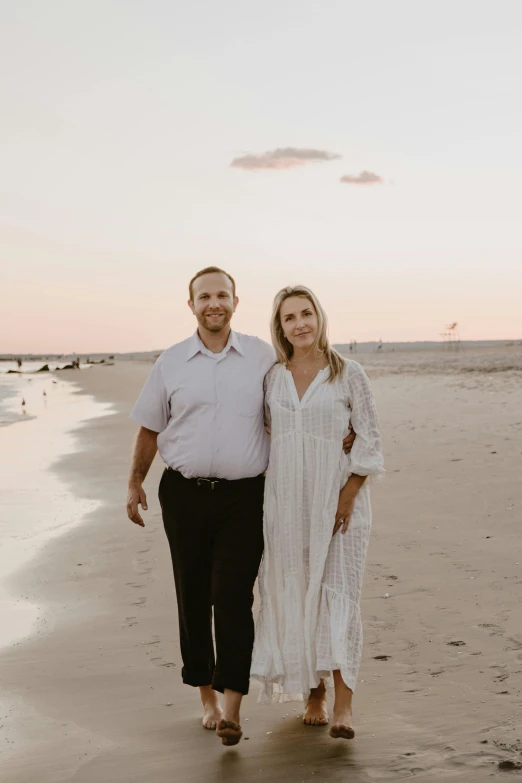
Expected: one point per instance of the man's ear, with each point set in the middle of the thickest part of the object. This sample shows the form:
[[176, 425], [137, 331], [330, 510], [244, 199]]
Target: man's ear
[[236, 302], [191, 305]]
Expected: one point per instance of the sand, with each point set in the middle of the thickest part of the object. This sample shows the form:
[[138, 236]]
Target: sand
[[97, 697]]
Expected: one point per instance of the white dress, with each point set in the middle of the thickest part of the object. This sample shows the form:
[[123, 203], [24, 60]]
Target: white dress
[[310, 583]]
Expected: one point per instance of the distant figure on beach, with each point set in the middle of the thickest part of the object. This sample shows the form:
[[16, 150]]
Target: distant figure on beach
[[317, 516], [202, 407], [19, 362], [379, 346]]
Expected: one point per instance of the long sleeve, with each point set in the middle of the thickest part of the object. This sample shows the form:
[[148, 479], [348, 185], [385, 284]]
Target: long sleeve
[[366, 455]]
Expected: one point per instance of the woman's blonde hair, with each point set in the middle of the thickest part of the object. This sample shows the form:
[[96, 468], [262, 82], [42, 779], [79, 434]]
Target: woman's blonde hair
[[284, 348]]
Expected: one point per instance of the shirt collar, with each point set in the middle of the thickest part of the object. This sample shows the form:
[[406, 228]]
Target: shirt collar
[[196, 346], [235, 343]]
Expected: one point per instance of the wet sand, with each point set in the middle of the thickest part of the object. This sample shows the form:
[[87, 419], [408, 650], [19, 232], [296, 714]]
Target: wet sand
[[99, 698], [35, 504]]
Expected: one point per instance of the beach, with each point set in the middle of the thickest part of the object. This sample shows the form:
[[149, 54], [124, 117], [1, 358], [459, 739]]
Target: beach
[[94, 693]]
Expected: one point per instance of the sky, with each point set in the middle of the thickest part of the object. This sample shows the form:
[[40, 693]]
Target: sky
[[372, 151]]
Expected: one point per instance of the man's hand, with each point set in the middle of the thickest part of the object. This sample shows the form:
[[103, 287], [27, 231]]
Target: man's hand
[[344, 509], [348, 441], [136, 496], [145, 450]]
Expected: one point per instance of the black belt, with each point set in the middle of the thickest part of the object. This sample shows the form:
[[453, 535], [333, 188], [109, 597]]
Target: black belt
[[212, 483]]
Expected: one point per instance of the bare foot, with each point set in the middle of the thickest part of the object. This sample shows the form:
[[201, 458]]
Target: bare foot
[[212, 712], [211, 716], [316, 713], [342, 724], [342, 730], [229, 731], [342, 717]]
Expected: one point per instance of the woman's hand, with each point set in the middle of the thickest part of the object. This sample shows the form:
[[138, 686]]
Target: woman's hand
[[344, 509]]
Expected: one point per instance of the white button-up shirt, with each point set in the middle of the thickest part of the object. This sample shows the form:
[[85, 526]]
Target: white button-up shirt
[[208, 407]]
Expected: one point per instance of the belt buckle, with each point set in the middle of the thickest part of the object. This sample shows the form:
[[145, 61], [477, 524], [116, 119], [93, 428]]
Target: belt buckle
[[200, 481]]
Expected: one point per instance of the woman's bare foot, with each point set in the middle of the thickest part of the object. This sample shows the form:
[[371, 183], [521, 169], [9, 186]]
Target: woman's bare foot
[[212, 712], [316, 713], [342, 717], [229, 731]]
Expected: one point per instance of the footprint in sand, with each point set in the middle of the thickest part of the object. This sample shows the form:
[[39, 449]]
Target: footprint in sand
[[510, 765], [495, 630], [517, 644], [513, 747]]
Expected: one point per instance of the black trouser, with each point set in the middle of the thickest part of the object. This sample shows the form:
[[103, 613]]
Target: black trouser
[[216, 543]]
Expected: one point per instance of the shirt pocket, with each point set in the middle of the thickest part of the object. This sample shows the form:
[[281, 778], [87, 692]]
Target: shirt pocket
[[246, 398]]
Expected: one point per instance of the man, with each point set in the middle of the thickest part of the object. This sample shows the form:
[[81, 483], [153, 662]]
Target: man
[[202, 407]]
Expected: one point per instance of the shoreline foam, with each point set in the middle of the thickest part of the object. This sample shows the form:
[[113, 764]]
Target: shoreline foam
[[36, 504]]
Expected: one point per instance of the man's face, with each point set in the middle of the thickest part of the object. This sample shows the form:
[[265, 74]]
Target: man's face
[[214, 302]]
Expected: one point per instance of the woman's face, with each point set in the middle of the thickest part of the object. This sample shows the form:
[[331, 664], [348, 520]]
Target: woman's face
[[299, 322]]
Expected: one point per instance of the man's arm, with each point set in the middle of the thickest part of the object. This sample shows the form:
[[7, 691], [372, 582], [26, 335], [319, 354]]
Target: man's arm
[[348, 441], [145, 450]]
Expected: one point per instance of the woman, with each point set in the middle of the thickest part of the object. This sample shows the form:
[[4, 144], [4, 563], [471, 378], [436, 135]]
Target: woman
[[317, 516]]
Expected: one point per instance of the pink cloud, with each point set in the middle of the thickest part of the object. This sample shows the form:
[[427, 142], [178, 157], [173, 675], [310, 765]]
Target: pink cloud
[[364, 178], [282, 158]]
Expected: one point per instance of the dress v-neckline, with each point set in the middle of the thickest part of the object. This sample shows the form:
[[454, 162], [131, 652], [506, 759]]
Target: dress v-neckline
[[299, 402]]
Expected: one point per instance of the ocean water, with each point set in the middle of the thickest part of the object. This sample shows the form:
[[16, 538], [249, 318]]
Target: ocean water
[[368, 347], [427, 345], [36, 504], [23, 393]]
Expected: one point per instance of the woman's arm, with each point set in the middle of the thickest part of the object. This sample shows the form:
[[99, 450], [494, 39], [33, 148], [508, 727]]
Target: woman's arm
[[366, 455], [346, 502]]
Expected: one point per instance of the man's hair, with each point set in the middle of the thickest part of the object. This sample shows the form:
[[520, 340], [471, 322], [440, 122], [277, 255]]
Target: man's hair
[[211, 270]]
